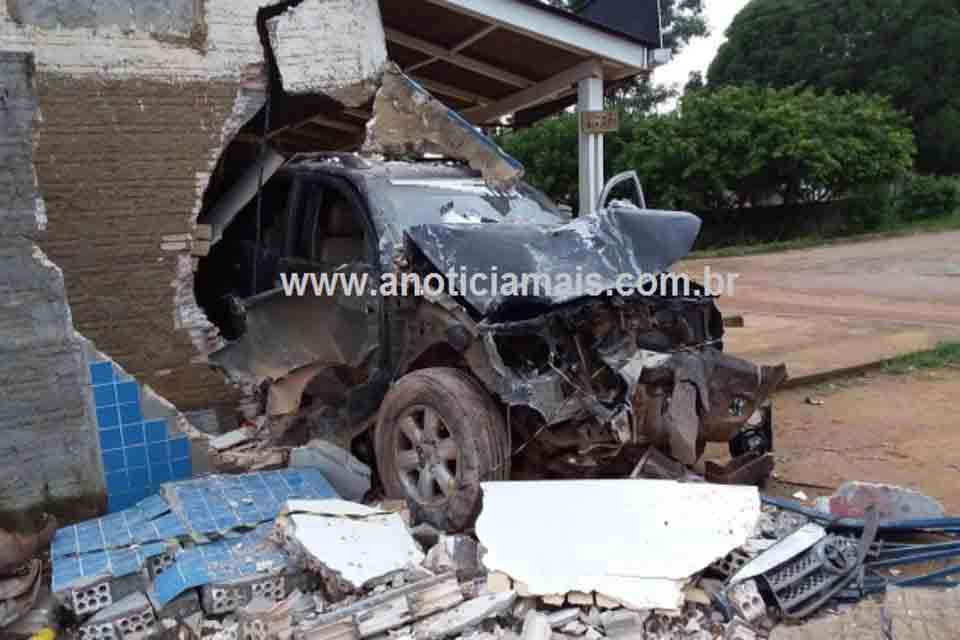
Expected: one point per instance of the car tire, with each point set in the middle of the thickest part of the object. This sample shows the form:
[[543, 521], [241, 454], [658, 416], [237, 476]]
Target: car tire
[[438, 436]]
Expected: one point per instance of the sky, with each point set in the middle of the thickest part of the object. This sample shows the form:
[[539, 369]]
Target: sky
[[698, 55]]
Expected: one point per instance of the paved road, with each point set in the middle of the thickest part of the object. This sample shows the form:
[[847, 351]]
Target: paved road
[[846, 305]]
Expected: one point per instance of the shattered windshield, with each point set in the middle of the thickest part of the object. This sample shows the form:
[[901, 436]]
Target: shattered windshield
[[432, 201]]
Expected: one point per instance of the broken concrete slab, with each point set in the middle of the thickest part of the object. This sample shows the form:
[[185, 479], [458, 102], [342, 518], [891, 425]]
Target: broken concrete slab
[[638, 541], [317, 531], [232, 439], [382, 612], [353, 41], [407, 120], [464, 616], [563, 616], [536, 626], [624, 624], [350, 478]]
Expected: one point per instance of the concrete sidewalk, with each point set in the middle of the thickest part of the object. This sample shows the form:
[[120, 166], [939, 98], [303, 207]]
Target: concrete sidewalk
[[846, 307]]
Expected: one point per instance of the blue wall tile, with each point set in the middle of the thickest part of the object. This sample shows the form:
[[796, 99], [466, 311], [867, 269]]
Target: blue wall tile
[[117, 482], [182, 469], [111, 439], [158, 452], [139, 479], [156, 430], [136, 456], [128, 392], [180, 448], [160, 473], [119, 501], [133, 434], [130, 413], [105, 395], [101, 372], [107, 417], [113, 461]]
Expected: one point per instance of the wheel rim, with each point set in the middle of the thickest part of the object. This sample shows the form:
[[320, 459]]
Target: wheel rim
[[427, 455]]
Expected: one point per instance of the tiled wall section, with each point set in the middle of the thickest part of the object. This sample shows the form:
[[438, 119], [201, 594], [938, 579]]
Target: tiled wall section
[[138, 455]]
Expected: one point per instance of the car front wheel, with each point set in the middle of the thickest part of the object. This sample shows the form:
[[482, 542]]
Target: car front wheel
[[439, 435]]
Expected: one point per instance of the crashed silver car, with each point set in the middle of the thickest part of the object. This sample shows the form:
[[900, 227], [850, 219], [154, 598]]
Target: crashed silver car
[[446, 390]]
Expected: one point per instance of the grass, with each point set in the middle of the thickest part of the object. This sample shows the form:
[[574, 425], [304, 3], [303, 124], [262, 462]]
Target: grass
[[945, 355], [900, 229]]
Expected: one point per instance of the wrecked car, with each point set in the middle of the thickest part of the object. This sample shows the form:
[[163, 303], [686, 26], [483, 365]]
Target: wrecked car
[[444, 390]]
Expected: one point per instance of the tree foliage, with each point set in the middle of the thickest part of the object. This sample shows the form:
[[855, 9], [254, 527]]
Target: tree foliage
[[908, 50], [736, 146]]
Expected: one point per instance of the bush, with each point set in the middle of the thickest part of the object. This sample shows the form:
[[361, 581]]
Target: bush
[[926, 197], [871, 208]]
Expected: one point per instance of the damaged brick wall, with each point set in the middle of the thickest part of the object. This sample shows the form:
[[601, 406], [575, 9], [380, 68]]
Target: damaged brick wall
[[136, 114], [47, 438], [120, 180]]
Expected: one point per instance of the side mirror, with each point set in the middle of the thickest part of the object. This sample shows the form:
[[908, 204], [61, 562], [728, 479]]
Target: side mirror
[[623, 186]]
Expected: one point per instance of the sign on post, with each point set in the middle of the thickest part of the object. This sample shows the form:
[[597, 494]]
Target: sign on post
[[600, 121]]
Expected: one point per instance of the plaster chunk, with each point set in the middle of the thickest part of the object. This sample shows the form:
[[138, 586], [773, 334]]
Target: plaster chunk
[[350, 36]]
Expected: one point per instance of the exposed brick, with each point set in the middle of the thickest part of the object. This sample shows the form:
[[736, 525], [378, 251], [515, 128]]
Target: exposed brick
[[118, 175]]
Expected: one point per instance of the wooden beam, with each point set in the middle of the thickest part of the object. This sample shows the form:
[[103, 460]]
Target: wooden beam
[[412, 42], [463, 44], [453, 92], [537, 93]]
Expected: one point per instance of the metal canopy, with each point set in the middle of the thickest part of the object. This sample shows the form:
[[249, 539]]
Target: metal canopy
[[490, 58], [493, 58]]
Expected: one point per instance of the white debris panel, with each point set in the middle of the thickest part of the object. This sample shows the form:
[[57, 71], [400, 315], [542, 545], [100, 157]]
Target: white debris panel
[[333, 47], [321, 532], [636, 541]]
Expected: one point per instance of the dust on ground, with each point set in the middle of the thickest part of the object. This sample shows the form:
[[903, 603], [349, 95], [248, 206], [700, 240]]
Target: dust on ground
[[900, 429]]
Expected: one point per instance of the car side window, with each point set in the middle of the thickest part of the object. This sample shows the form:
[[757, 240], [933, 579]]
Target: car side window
[[327, 229]]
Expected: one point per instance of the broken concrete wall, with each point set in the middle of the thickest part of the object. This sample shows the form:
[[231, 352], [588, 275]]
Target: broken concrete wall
[[130, 131], [163, 18], [134, 123], [47, 438], [139, 101]]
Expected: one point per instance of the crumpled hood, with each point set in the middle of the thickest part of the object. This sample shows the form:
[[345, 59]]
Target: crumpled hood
[[619, 240]]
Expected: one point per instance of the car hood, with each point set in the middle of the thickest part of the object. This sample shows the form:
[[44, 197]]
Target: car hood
[[615, 241]]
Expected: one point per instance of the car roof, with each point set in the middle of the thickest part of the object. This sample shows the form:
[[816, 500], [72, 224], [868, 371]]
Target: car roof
[[372, 167]]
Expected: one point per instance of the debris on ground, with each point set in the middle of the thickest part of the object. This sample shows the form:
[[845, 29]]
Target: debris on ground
[[851, 500], [270, 555], [350, 477]]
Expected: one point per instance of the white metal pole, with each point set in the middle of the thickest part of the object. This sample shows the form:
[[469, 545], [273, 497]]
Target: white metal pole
[[590, 98]]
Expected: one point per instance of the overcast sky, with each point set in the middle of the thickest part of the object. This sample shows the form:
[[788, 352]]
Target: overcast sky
[[698, 55]]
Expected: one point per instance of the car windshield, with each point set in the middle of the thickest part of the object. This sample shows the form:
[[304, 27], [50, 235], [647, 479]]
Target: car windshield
[[464, 201]]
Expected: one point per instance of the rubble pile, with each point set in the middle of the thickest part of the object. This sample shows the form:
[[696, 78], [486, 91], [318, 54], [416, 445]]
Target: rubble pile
[[280, 555]]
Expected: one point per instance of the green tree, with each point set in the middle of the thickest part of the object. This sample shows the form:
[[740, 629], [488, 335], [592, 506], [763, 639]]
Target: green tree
[[740, 146], [548, 152], [907, 50]]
